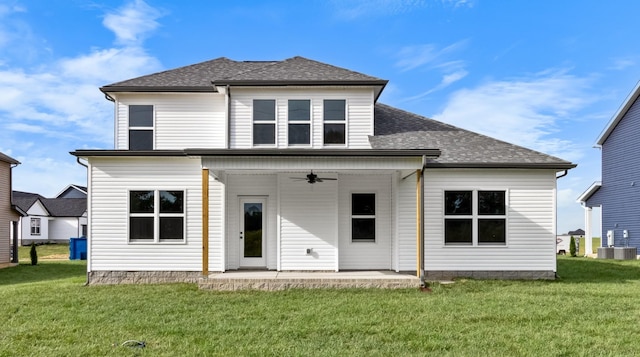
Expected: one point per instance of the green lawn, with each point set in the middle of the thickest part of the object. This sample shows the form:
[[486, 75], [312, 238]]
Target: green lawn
[[593, 309], [45, 251]]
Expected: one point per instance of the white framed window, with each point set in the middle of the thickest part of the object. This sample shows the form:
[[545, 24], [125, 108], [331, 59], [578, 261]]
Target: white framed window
[[475, 217], [141, 126], [363, 217], [156, 216], [299, 122], [35, 226], [334, 122], [264, 122]]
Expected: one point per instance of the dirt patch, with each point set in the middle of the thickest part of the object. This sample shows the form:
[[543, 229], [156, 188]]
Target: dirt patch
[[56, 257]]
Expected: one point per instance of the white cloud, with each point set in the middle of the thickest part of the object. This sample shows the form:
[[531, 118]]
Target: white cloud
[[133, 22], [52, 108], [523, 111], [352, 9], [412, 57], [619, 64]]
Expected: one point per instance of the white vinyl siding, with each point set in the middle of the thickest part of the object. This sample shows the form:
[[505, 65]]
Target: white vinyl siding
[[63, 228], [191, 120], [359, 114], [530, 224], [366, 255], [308, 220], [111, 180]]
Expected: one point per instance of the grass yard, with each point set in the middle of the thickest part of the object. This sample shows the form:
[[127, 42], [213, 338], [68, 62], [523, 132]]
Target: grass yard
[[593, 309]]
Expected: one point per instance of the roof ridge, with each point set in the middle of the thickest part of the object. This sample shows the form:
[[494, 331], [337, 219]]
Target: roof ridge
[[267, 64]]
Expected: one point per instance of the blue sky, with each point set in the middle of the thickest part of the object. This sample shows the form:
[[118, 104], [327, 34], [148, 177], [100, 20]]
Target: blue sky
[[547, 75]]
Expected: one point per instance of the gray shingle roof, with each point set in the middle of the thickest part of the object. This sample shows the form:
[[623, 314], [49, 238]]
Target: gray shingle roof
[[57, 207], [398, 129], [222, 70]]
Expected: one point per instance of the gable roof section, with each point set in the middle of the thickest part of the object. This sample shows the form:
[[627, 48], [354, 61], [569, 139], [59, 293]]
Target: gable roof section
[[622, 111], [586, 195], [201, 77], [82, 190], [24, 200], [398, 129]]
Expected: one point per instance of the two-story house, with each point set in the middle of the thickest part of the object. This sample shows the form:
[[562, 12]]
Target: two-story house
[[618, 193], [294, 166]]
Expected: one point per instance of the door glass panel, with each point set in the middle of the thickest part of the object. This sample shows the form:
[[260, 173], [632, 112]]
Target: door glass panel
[[253, 230]]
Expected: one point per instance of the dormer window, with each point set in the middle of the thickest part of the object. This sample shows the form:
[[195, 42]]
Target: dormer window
[[299, 122], [264, 122], [141, 127], [334, 121]]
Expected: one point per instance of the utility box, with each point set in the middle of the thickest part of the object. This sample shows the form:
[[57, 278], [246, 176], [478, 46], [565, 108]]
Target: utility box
[[77, 248]]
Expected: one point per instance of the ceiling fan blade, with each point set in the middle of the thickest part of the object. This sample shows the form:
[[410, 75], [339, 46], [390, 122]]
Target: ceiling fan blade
[[327, 178]]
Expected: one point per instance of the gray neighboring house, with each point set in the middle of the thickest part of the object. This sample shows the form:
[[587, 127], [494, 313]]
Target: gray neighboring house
[[9, 216], [51, 220], [618, 193], [293, 165]]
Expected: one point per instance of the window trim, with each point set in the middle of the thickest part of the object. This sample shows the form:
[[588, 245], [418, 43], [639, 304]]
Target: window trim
[[35, 230], [151, 128], [373, 216], [300, 122], [334, 121], [475, 217], [273, 122], [156, 217]]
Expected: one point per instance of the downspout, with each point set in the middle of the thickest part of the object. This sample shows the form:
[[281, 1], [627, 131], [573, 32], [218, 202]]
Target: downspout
[[420, 221], [205, 222], [565, 173], [88, 218], [228, 128]]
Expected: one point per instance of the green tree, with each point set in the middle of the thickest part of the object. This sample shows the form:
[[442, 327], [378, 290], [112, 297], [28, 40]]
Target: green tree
[[572, 247], [34, 254]]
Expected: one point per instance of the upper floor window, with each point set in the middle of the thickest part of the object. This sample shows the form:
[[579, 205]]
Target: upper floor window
[[334, 121], [156, 216], [141, 127], [264, 122], [468, 223], [299, 122], [35, 226]]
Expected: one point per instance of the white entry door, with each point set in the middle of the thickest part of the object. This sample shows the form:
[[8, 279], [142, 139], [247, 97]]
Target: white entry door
[[253, 232]]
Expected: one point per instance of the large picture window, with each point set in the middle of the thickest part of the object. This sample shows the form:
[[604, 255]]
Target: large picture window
[[475, 217], [363, 217], [264, 122], [156, 216], [334, 111], [141, 127], [299, 122]]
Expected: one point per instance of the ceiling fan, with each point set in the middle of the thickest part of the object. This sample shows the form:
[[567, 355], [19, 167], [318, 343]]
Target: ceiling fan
[[313, 178]]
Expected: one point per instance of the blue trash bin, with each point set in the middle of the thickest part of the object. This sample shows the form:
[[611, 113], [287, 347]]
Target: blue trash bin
[[78, 248]]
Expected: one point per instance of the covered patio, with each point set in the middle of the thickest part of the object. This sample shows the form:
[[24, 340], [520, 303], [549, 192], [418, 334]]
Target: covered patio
[[274, 280]]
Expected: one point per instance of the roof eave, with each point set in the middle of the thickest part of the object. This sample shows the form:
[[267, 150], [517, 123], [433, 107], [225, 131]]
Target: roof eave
[[431, 153], [589, 192], [500, 165], [127, 153], [157, 89], [631, 98]]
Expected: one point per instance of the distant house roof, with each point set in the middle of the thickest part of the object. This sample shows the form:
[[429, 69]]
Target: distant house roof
[[73, 191], [624, 108], [399, 129], [8, 159], [577, 232], [65, 207], [204, 76], [57, 207]]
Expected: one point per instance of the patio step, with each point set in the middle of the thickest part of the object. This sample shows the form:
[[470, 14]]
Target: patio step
[[271, 281]]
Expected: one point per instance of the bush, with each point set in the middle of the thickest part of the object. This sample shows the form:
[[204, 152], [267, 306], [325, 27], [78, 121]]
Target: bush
[[34, 254], [572, 247]]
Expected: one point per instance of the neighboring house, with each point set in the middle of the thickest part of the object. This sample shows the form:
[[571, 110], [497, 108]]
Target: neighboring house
[[50, 220], [293, 166], [618, 193], [563, 241], [9, 216]]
